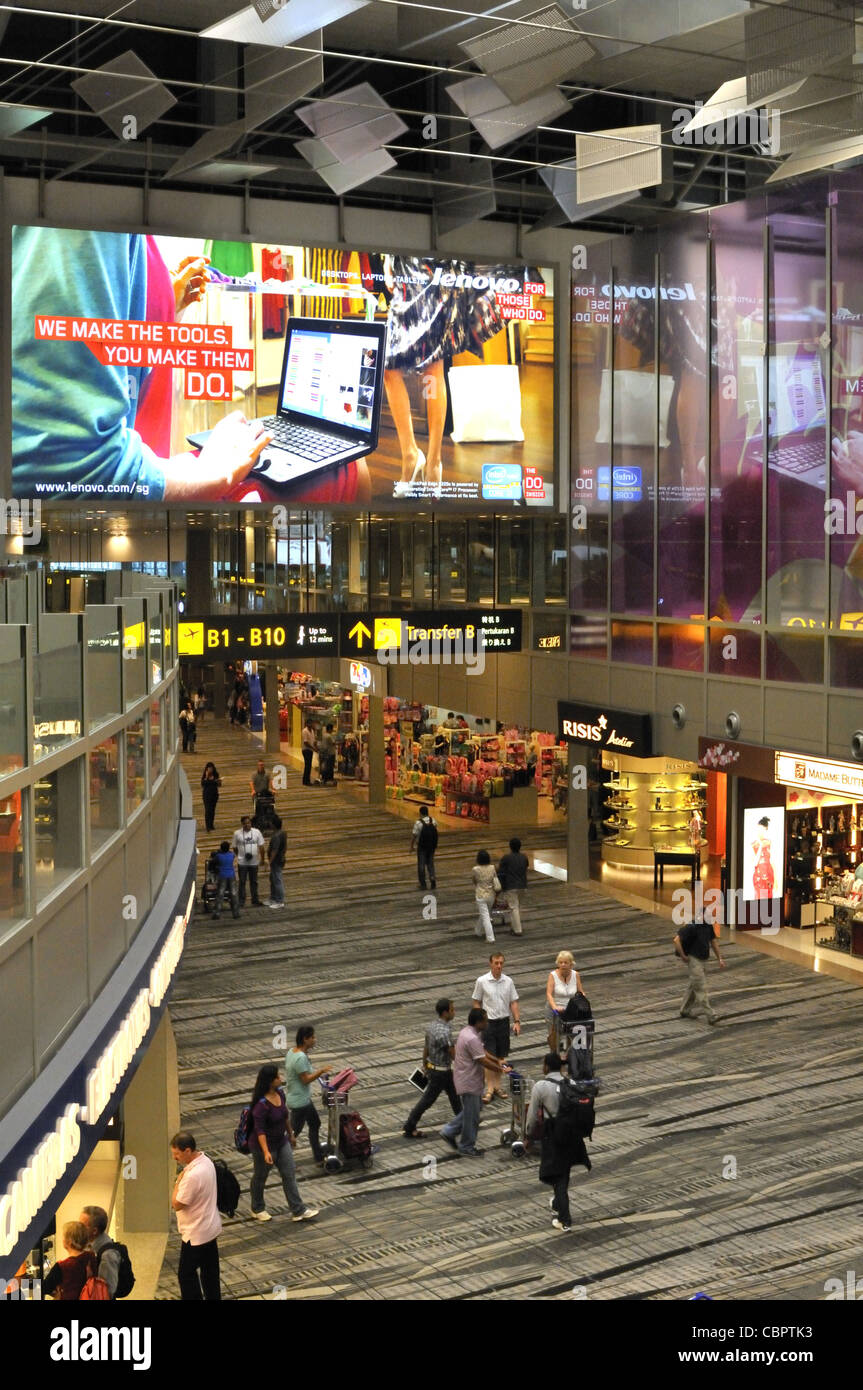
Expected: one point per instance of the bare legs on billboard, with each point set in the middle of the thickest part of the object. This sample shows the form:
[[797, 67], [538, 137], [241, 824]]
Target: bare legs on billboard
[[417, 466]]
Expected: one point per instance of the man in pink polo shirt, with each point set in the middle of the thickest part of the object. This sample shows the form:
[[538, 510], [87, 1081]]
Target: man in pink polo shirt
[[198, 1221], [467, 1074]]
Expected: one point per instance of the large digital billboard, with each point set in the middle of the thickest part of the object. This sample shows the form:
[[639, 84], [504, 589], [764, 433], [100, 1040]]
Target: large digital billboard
[[152, 368]]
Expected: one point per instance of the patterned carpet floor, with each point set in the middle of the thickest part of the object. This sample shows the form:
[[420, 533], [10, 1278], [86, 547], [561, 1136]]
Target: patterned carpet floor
[[725, 1159]]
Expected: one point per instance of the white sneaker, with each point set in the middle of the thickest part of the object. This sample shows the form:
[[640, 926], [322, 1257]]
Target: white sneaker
[[308, 1215], [559, 1226], [262, 1216], [276, 905]]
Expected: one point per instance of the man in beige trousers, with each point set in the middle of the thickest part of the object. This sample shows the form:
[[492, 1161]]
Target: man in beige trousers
[[693, 944]]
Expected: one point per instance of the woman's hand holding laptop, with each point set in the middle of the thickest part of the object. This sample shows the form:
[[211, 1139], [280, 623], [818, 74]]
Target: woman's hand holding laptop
[[228, 456]]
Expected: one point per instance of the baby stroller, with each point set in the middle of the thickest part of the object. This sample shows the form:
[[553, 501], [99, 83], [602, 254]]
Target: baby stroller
[[210, 886], [264, 818]]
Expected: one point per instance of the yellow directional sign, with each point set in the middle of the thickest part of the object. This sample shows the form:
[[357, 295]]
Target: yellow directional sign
[[190, 639], [388, 633], [357, 632]]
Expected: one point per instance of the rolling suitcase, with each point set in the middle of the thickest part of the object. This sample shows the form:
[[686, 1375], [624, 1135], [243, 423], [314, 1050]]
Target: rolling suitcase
[[499, 912], [354, 1138]]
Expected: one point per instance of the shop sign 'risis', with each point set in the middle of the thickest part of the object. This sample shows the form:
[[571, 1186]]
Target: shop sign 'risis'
[[607, 728]]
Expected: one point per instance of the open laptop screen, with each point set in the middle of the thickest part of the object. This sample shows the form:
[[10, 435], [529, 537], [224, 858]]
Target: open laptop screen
[[330, 376]]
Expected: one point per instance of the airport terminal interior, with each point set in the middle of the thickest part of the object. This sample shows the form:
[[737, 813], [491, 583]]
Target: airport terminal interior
[[430, 531]]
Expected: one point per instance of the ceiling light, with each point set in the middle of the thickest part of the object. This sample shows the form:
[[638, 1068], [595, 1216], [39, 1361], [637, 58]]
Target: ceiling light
[[466, 206], [609, 162], [353, 123], [826, 153], [14, 119], [227, 171], [341, 178], [785, 41], [730, 100], [527, 56], [286, 23], [562, 182], [217, 141], [125, 94], [499, 120], [274, 78]]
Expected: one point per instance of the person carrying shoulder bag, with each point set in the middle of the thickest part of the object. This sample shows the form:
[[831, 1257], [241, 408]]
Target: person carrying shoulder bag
[[486, 887]]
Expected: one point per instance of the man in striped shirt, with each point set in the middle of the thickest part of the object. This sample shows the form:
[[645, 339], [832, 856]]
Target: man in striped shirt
[[437, 1065]]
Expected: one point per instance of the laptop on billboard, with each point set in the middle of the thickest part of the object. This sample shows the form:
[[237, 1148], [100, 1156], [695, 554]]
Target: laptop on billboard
[[329, 401]]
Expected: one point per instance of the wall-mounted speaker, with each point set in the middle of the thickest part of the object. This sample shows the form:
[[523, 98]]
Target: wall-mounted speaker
[[732, 725], [678, 716]]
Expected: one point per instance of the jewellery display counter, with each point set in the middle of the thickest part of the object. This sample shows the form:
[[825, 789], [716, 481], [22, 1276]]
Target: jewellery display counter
[[838, 911], [652, 804]]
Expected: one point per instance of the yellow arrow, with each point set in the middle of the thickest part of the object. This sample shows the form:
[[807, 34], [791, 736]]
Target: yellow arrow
[[357, 631]]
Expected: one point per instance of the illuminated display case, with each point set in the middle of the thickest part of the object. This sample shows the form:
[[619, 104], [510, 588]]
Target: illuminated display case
[[649, 806]]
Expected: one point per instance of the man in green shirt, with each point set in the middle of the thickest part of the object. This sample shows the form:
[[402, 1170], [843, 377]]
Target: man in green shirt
[[298, 1088]]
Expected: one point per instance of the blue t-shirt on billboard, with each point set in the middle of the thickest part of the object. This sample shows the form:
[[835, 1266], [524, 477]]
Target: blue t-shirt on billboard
[[73, 417]]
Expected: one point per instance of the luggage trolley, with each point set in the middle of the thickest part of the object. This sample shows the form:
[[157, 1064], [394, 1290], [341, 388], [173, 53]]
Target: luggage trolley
[[339, 1147], [513, 1135], [578, 1035], [336, 1103]]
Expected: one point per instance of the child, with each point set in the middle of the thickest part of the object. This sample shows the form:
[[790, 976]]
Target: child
[[66, 1278], [227, 880]]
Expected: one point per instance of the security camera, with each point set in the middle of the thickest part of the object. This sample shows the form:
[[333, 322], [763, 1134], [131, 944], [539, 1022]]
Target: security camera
[[857, 744], [678, 716], [732, 725]]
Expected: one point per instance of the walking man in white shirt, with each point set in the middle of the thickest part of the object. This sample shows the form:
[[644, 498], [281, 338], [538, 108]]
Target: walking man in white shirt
[[198, 1221], [497, 995], [247, 845]]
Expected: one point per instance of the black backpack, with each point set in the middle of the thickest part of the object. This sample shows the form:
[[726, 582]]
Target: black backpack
[[576, 1114], [227, 1188], [578, 1009], [427, 838], [125, 1276]]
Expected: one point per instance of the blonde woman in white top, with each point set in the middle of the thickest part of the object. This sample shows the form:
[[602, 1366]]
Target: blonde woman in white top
[[486, 886], [563, 982]]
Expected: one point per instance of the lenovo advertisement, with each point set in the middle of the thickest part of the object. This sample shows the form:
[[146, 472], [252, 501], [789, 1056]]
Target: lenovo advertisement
[[173, 369]]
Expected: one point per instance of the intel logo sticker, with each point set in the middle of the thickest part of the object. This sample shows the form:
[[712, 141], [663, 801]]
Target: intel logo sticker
[[625, 483], [501, 482]]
